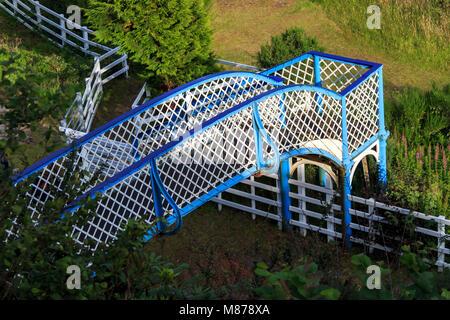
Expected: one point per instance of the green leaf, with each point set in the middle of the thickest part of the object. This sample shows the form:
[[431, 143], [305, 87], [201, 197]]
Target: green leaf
[[330, 294], [361, 260], [16, 209], [262, 272], [445, 294], [425, 281], [261, 265]]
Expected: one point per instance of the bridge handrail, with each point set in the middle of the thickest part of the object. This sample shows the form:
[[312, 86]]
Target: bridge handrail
[[136, 111], [140, 167]]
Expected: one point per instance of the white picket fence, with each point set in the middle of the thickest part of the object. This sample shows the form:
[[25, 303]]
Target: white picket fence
[[262, 198], [64, 32], [81, 113]]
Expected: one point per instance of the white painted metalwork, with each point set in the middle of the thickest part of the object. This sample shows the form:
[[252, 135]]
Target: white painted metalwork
[[372, 150], [166, 157], [53, 26], [306, 217], [119, 144], [362, 112]]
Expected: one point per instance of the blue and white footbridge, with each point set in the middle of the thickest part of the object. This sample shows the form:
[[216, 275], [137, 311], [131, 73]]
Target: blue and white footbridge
[[170, 155]]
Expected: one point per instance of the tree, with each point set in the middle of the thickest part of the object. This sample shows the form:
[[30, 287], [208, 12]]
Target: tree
[[286, 46], [171, 38]]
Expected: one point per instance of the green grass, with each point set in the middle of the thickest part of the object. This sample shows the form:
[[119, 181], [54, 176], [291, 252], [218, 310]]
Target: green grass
[[241, 27], [224, 247], [415, 32], [56, 74]]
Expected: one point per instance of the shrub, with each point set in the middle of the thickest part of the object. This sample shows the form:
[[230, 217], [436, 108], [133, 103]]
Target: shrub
[[306, 282], [288, 45], [33, 264], [172, 39]]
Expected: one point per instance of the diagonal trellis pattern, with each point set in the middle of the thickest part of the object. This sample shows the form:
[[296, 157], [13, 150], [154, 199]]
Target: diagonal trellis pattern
[[301, 72], [130, 198], [147, 129], [363, 112], [209, 159], [337, 76], [305, 119], [208, 136]]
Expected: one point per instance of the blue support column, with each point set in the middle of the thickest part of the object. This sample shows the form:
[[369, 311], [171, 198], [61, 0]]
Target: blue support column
[[159, 191], [383, 134], [284, 189], [317, 77], [157, 200], [258, 140], [347, 205], [318, 83], [323, 177], [347, 166]]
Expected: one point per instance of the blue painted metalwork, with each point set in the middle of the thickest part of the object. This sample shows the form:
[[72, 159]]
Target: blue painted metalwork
[[105, 185], [317, 76], [279, 164], [383, 133], [158, 191], [347, 164], [150, 159], [284, 192], [138, 110], [344, 59], [318, 99], [272, 164]]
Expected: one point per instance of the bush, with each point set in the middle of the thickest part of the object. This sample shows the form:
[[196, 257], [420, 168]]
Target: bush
[[172, 39], [34, 263], [290, 44], [34, 260], [306, 282]]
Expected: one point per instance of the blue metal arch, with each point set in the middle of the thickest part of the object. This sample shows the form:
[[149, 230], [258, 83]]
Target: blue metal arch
[[150, 159], [144, 107]]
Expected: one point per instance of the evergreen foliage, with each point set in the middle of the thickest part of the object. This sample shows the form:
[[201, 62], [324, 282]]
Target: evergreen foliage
[[171, 38], [286, 46]]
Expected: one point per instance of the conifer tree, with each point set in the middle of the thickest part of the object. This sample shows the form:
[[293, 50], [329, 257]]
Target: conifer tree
[[171, 38]]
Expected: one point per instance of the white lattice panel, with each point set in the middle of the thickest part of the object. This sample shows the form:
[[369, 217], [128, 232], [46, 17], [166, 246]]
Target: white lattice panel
[[362, 112], [301, 72], [212, 157], [130, 198], [304, 120], [337, 76]]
